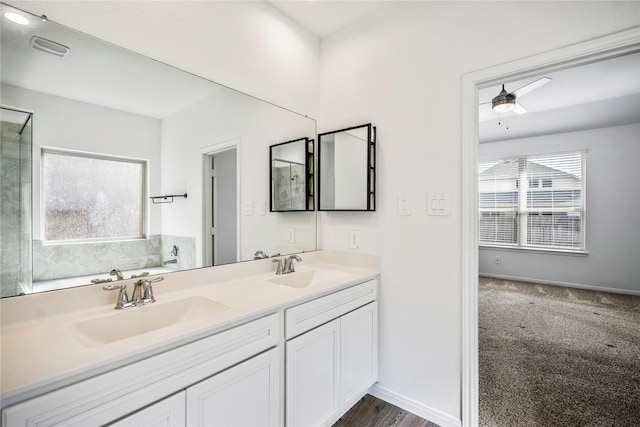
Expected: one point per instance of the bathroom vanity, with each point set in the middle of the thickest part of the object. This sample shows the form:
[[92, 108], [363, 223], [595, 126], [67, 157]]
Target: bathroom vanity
[[230, 345]]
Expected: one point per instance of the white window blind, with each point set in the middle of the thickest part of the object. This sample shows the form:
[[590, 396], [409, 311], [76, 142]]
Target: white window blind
[[535, 201]]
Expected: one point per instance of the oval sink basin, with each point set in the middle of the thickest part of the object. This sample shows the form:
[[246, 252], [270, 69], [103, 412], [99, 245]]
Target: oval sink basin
[[140, 320], [303, 279]]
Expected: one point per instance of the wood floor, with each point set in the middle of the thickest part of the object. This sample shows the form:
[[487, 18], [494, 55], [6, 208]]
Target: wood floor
[[373, 412]]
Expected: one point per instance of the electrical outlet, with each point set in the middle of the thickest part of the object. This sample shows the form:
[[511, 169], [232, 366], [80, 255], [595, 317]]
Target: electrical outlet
[[498, 259], [354, 239], [248, 208], [291, 235]]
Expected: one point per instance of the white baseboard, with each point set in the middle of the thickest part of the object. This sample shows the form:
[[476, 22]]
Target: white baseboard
[[426, 412], [564, 284]]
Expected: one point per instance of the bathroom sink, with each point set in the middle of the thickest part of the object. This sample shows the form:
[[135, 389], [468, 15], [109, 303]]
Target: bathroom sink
[[307, 278], [140, 320]]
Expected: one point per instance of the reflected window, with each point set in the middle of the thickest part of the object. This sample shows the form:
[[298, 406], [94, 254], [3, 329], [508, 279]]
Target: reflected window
[[92, 197]]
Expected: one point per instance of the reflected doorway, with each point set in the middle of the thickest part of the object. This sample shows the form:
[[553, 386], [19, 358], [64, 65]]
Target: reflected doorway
[[221, 208]]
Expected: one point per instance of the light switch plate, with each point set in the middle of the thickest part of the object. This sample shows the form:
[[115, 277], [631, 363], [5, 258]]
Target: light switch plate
[[404, 205], [263, 208], [291, 235], [438, 204]]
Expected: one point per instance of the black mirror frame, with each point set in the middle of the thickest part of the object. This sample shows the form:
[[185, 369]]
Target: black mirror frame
[[371, 168], [309, 167]]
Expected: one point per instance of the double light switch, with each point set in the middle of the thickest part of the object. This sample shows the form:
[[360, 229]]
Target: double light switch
[[438, 204]]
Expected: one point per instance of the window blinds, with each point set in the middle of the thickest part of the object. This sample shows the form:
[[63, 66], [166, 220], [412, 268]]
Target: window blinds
[[535, 201]]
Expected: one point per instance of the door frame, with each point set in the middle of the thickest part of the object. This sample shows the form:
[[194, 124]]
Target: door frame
[[601, 48], [206, 153]]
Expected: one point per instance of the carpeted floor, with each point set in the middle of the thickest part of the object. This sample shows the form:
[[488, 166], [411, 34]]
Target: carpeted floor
[[553, 356]]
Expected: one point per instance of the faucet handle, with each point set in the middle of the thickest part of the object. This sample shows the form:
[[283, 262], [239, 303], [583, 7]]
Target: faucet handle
[[123, 298], [147, 292], [279, 267]]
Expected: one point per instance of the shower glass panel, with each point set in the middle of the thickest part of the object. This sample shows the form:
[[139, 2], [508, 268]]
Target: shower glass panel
[[15, 201]]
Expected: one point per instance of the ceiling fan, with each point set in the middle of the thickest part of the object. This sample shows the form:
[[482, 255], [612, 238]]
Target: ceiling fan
[[507, 101]]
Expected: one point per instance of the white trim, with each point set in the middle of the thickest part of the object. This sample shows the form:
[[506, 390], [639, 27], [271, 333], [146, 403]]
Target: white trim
[[535, 250], [563, 284], [605, 47], [220, 146], [417, 408]]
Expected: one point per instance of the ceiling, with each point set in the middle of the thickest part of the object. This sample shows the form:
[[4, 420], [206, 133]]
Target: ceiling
[[596, 95], [322, 17]]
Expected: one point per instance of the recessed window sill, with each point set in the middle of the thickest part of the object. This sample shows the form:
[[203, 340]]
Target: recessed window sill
[[549, 251]]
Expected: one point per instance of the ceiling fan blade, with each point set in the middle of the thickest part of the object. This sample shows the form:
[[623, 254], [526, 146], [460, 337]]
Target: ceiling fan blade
[[531, 86], [519, 109]]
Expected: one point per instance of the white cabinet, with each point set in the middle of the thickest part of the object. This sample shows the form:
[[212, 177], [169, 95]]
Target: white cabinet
[[245, 395], [332, 366], [233, 377], [359, 353], [108, 397], [313, 376], [169, 412]]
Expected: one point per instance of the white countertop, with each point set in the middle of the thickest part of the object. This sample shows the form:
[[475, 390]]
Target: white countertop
[[40, 350]]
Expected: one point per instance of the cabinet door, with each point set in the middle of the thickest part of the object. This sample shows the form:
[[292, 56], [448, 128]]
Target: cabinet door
[[313, 376], [244, 395], [359, 352], [169, 412]]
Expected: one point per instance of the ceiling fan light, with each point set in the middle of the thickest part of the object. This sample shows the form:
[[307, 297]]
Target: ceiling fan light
[[504, 102]]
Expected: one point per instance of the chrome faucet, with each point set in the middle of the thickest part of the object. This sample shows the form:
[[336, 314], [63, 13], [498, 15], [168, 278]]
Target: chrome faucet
[[260, 255], [288, 264], [117, 273], [142, 293]]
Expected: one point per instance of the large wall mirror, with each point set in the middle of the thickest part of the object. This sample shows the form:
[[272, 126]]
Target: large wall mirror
[[292, 169], [347, 169], [91, 131]]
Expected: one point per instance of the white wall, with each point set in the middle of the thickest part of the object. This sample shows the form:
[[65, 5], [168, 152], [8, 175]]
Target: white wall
[[401, 69], [65, 123], [245, 45], [612, 206], [254, 125]]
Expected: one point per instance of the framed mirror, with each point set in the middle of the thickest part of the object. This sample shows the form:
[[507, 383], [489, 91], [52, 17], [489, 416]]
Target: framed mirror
[[79, 103], [347, 169], [292, 168]]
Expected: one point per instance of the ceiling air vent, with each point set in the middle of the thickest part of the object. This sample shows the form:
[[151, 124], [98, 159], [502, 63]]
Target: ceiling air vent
[[48, 46]]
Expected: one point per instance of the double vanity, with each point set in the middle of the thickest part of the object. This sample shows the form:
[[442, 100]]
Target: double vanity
[[230, 345]]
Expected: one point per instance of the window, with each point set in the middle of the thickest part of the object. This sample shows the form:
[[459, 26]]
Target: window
[[547, 214], [91, 197]]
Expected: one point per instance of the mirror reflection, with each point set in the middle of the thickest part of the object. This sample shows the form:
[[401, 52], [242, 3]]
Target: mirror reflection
[[91, 131], [292, 176], [346, 169]]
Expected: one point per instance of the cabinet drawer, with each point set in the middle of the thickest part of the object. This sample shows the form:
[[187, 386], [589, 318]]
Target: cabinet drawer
[[304, 317], [109, 396]]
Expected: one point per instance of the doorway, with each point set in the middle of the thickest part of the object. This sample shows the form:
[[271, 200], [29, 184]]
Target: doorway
[[594, 50], [221, 207]]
